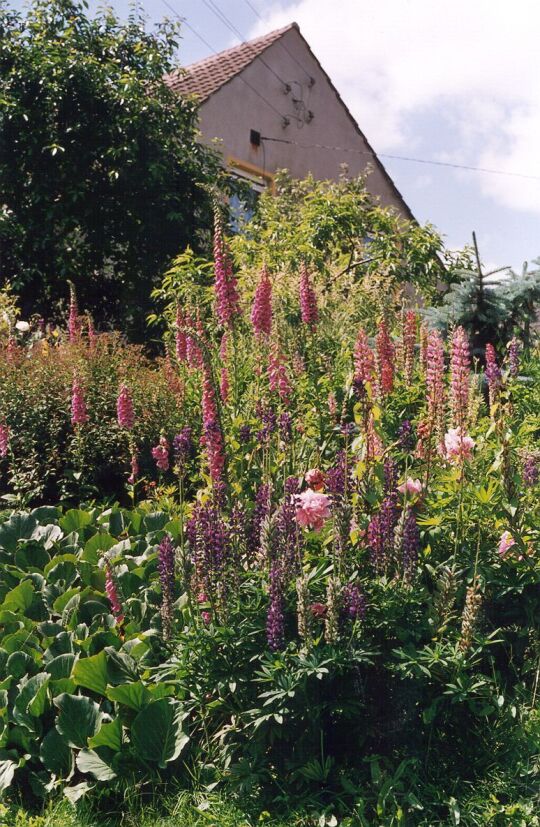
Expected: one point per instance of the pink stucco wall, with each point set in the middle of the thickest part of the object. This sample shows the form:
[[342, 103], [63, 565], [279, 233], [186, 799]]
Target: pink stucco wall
[[235, 109]]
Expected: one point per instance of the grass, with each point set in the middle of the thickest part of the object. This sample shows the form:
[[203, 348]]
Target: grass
[[180, 811]]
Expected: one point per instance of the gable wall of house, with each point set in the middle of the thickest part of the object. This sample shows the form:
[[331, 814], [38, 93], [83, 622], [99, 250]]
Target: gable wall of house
[[234, 109]]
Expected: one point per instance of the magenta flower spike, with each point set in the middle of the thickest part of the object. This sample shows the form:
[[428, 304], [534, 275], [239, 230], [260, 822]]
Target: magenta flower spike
[[124, 409], [261, 310], [308, 300], [79, 413]]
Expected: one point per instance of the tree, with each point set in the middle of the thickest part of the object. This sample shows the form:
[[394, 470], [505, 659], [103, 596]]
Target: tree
[[102, 179]]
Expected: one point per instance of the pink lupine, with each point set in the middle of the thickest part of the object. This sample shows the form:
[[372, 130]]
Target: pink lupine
[[224, 381], [364, 359], [180, 336], [124, 408], [74, 324], [194, 354], [213, 437], [160, 454], [308, 300], [278, 379], [79, 413], [460, 368], [112, 594], [4, 439], [409, 343], [132, 479], [261, 310], [436, 393], [227, 301], [374, 446], [385, 360], [424, 334]]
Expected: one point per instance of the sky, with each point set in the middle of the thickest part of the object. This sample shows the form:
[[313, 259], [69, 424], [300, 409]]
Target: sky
[[442, 81]]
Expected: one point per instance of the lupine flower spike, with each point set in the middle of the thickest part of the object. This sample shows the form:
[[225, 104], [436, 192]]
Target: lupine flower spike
[[385, 360], [4, 440], [460, 367], [124, 409], [493, 374], [227, 301], [160, 453], [79, 414], [165, 568], [261, 310], [74, 326], [112, 594], [308, 300]]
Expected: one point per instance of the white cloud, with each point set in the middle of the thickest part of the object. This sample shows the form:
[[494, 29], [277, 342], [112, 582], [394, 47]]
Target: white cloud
[[473, 64]]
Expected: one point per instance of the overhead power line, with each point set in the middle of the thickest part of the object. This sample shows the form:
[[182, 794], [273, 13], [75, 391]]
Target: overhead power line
[[293, 57], [401, 158], [203, 40], [220, 14]]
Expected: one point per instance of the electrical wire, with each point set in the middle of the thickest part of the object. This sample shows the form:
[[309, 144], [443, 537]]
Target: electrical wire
[[210, 4], [205, 42], [259, 15], [401, 158]]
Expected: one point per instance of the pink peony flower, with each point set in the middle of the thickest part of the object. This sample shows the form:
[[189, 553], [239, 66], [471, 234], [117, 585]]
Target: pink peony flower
[[315, 478], [160, 454], [312, 509], [505, 543], [410, 487], [458, 446]]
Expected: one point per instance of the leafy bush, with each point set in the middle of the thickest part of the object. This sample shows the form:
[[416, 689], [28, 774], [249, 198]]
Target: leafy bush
[[332, 597]]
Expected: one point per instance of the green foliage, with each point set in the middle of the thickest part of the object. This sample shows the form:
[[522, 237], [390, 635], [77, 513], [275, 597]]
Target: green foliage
[[335, 227], [101, 176], [490, 311]]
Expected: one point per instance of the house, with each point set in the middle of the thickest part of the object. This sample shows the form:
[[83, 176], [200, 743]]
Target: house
[[272, 106]]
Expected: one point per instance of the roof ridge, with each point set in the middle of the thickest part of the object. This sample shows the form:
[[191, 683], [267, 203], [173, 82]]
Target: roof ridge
[[196, 77]]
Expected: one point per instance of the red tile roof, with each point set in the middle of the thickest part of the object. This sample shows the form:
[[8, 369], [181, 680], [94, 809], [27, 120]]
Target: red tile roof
[[206, 76]]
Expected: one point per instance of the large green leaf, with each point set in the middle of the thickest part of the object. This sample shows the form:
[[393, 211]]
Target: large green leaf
[[7, 771], [96, 546], [20, 598], [32, 700], [61, 666], [134, 695], [75, 520], [55, 754], [90, 761], [157, 733], [18, 527], [110, 735], [92, 673], [79, 719], [121, 668]]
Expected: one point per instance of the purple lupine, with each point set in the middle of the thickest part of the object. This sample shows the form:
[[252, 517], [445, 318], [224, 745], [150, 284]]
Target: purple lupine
[[336, 477], [165, 567], [388, 520], [182, 447], [354, 602], [210, 540], [530, 470], [269, 421], [289, 538], [285, 426], [275, 622], [391, 474], [244, 434], [493, 373], [411, 544], [514, 350], [260, 512], [406, 435]]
